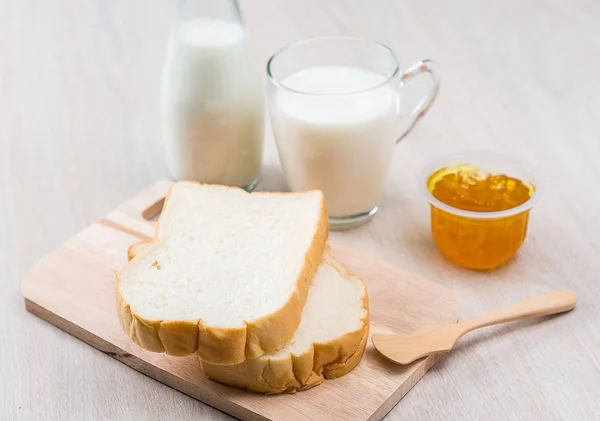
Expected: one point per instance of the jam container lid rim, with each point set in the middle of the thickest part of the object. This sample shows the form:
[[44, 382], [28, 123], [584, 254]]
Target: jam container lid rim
[[464, 157]]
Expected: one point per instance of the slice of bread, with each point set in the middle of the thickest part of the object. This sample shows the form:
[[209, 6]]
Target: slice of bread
[[329, 342], [227, 274]]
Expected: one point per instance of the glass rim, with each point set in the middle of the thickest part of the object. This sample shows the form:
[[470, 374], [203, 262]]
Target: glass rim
[[436, 164], [277, 82]]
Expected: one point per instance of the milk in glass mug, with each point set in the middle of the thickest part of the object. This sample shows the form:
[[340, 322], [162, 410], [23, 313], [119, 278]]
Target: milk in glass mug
[[335, 110]]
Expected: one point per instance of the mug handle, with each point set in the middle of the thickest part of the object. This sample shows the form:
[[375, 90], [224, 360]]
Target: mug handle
[[425, 66]]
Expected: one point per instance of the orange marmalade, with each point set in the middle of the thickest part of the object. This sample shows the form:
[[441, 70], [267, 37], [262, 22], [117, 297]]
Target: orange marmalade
[[473, 239]]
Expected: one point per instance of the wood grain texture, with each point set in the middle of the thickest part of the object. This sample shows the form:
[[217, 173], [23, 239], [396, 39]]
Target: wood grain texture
[[73, 288], [80, 133]]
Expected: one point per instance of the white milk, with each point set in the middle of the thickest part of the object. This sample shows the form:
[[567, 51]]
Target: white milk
[[340, 144], [212, 104]]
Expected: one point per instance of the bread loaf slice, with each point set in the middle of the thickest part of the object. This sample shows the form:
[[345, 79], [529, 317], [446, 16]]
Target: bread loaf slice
[[329, 342], [227, 273]]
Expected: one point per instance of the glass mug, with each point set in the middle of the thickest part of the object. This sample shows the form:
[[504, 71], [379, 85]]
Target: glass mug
[[335, 110]]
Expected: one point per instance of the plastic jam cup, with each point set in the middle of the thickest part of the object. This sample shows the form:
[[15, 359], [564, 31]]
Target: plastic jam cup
[[480, 240]]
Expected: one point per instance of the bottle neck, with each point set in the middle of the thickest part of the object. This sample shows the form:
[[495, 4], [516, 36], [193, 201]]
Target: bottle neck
[[226, 10]]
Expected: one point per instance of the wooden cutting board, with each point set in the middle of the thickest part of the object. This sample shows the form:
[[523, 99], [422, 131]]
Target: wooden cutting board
[[73, 288]]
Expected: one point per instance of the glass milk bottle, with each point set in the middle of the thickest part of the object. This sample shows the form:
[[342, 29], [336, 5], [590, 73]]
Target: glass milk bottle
[[212, 97]]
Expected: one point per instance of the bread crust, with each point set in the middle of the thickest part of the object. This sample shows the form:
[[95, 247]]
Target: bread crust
[[225, 345], [298, 372]]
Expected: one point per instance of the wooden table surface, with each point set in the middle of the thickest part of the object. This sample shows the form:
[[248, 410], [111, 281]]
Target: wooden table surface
[[80, 133]]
